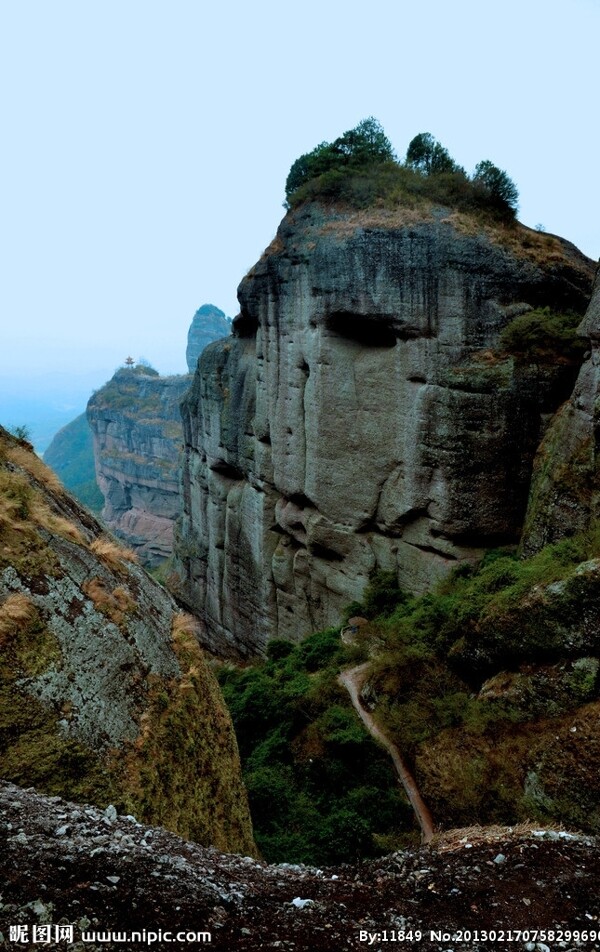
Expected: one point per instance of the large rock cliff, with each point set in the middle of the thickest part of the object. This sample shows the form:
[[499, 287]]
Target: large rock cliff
[[364, 415], [136, 425], [565, 494], [104, 693], [208, 324]]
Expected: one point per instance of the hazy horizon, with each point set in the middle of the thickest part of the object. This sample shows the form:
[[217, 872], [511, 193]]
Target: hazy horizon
[[147, 147]]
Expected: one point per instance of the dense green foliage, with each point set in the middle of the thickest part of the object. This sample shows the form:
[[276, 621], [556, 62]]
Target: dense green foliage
[[360, 169], [429, 156], [320, 790], [477, 681], [544, 335], [496, 185], [365, 145]]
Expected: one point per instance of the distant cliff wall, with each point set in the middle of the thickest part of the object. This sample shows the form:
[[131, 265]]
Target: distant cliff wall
[[363, 415], [136, 425]]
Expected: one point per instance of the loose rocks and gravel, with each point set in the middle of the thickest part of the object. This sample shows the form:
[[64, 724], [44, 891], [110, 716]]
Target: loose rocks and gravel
[[68, 864]]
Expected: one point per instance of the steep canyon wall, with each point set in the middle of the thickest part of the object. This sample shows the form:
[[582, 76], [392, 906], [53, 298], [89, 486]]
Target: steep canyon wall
[[364, 416]]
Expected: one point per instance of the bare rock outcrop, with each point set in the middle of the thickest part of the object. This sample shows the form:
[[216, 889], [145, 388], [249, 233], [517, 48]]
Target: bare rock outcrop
[[565, 492], [208, 324], [362, 416], [104, 693], [136, 426]]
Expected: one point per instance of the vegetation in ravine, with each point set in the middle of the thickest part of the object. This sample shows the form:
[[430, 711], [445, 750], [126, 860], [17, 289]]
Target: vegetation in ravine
[[360, 168], [490, 688], [321, 791]]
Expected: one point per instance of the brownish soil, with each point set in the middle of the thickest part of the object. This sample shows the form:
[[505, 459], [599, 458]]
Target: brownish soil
[[352, 679], [62, 863]]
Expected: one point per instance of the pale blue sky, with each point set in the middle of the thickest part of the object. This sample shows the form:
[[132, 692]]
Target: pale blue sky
[[145, 145]]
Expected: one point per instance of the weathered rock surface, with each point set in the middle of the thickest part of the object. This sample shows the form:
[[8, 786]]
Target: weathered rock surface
[[208, 324], [136, 425], [104, 693], [62, 863], [565, 493], [362, 417]]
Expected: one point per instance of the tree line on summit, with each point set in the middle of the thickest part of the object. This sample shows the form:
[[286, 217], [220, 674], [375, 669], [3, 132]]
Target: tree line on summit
[[367, 147]]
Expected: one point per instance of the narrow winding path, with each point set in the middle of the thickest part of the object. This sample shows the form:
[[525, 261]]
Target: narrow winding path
[[352, 679]]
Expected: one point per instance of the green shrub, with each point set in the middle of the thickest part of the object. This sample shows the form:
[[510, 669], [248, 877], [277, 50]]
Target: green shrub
[[278, 649], [383, 594], [360, 169], [320, 650], [545, 336], [366, 144]]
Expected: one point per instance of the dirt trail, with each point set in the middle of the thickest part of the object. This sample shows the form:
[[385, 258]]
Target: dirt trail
[[352, 680]]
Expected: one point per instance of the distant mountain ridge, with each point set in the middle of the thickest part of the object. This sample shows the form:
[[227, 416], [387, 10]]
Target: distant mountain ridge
[[121, 457]]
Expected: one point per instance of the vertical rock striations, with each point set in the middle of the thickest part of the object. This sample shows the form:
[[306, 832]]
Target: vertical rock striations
[[363, 415], [565, 492]]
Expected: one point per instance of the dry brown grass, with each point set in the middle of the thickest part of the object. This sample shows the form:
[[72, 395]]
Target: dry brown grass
[[379, 217], [183, 626], [22, 500], [17, 611], [32, 464], [66, 529], [112, 554], [15, 497], [447, 841], [116, 604]]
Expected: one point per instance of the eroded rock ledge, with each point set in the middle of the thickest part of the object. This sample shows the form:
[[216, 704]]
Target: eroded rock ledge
[[363, 417]]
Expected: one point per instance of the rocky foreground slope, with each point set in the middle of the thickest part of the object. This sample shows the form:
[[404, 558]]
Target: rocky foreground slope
[[104, 693], [62, 863], [365, 415]]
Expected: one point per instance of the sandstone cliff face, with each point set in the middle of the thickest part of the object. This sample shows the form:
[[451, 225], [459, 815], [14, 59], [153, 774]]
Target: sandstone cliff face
[[208, 324], [104, 693], [362, 417], [565, 493], [136, 425]]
